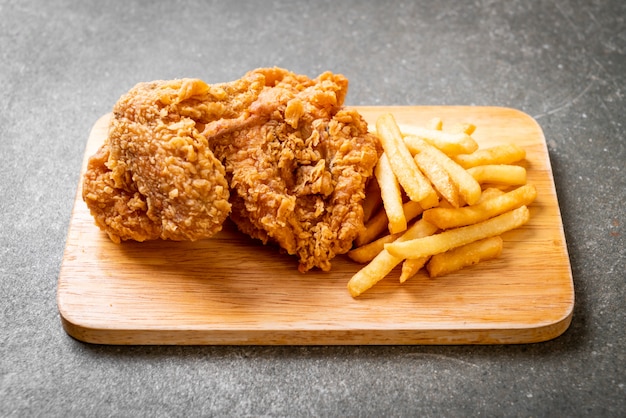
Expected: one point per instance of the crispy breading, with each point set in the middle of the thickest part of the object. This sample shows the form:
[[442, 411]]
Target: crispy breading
[[295, 160], [155, 176], [298, 178]]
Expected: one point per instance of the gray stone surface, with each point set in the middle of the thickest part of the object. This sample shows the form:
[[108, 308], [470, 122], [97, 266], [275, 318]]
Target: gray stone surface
[[64, 63]]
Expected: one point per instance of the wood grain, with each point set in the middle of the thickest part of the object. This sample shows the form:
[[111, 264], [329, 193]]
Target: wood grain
[[231, 290]]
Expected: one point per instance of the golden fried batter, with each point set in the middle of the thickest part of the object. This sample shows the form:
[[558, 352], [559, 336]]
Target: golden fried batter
[[155, 176], [296, 163], [298, 176]]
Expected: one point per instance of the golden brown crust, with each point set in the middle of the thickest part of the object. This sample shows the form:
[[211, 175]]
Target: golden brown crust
[[295, 160], [298, 179], [155, 176]]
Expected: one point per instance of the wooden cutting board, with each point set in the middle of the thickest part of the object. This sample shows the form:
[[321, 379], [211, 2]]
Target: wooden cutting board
[[232, 290]]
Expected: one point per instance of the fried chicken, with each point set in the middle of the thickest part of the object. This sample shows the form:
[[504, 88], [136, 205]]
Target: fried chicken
[[155, 176], [298, 174], [277, 148]]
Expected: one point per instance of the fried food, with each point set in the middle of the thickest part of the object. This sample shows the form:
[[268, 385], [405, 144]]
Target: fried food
[[384, 261], [464, 256], [391, 195], [439, 178], [411, 266], [456, 237], [298, 173], [499, 154], [275, 150], [469, 189], [379, 223], [448, 142], [365, 253], [404, 167], [446, 218], [466, 222], [500, 174], [155, 175]]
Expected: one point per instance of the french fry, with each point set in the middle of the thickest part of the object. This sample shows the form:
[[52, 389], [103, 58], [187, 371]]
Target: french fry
[[448, 142], [376, 226], [439, 178], [379, 223], [466, 255], [503, 174], [412, 210], [391, 195], [469, 220], [468, 187], [489, 193], [372, 273], [404, 167], [499, 154], [452, 238], [411, 266], [446, 218], [466, 128], [384, 262], [366, 253]]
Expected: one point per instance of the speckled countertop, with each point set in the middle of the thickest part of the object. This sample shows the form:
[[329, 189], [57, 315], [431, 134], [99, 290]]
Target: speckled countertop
[[63, 64]]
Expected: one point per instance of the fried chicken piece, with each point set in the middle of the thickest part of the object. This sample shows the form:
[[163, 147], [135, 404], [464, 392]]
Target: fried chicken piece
[[298, 172], [295, 160], [155, 176]]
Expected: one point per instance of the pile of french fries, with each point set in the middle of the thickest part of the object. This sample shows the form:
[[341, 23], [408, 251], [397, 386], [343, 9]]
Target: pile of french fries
[[445, 202]]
